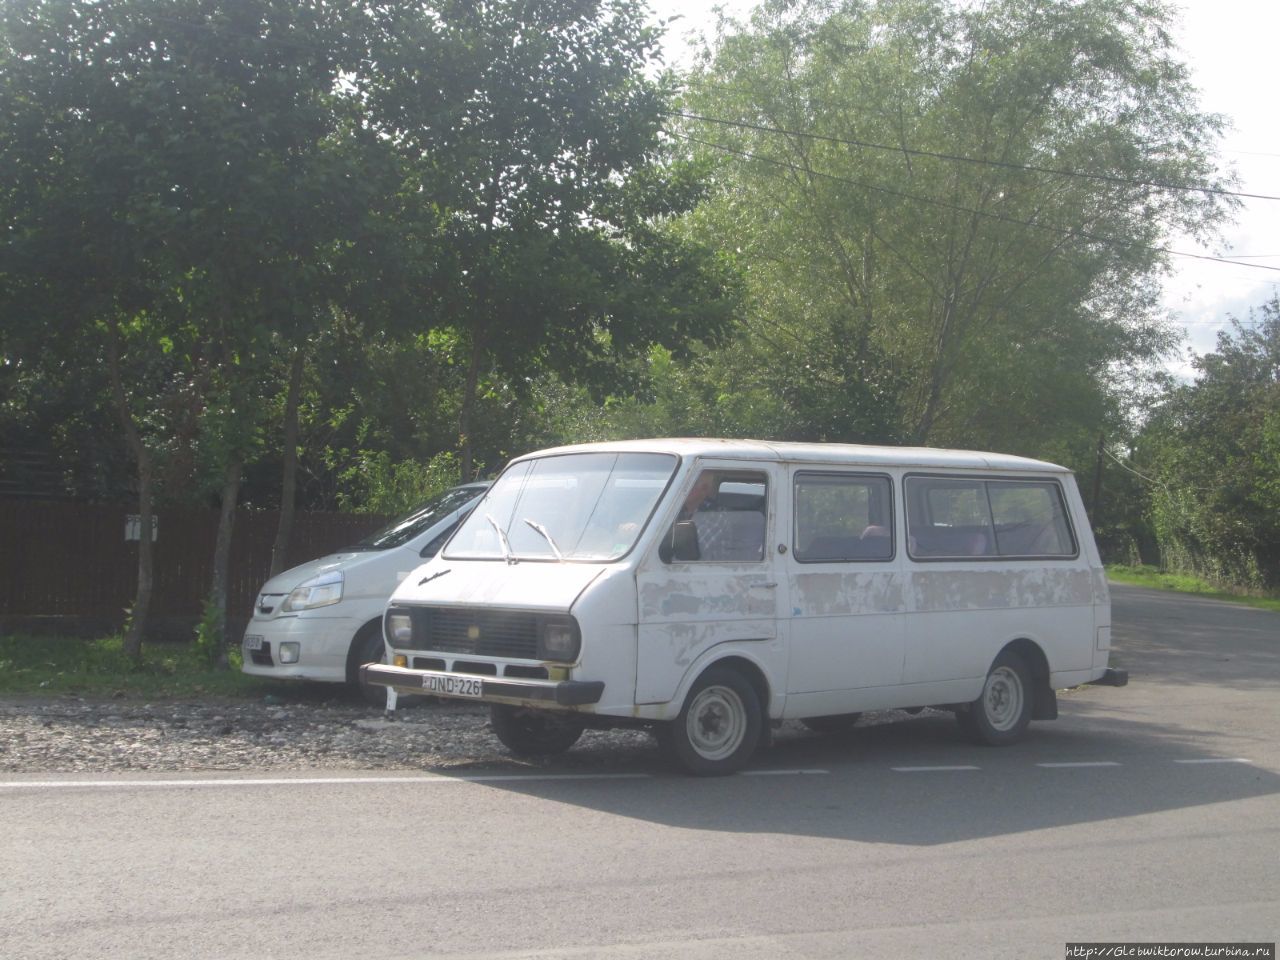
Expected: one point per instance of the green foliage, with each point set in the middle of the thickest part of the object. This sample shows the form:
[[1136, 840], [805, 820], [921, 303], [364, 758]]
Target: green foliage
[[208, 642], [534, 128], [1211, 449], [898, 293], [1144, 576], [374, 483], [50, 666]]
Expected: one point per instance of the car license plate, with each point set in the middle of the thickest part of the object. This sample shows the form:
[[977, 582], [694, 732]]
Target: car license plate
[[253, 643], [453, 686]]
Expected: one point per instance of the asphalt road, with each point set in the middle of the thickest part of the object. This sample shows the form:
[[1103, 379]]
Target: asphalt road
[[1145, 813]]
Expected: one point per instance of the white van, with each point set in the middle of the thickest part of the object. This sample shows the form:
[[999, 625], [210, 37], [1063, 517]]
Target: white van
[[713, 588], [321, 620]]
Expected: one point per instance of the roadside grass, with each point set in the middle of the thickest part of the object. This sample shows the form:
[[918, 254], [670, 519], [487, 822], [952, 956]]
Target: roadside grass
[[1184, 583], [52, 666]]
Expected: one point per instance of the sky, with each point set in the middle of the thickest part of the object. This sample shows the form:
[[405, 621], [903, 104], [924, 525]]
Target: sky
[[1229, 45]]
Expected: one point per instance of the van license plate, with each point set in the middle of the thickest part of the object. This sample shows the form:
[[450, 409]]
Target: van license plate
[[453, 686], [253, 643]]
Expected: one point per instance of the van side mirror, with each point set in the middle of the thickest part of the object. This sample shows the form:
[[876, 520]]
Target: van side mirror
[[684, 541]]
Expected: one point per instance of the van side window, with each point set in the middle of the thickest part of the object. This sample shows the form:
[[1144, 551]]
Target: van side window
[[1031, 519], [961, 518], [727, 510], [948, 518], [842, 517]]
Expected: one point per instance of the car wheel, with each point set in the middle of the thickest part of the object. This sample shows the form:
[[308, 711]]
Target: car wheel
[[534, 732], [1000, 716], [719, 727], [368, 648]]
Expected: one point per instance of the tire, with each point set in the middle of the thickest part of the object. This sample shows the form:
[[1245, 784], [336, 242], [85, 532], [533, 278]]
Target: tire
[[719, 727], [836, 723], [368, 647], [533, 733], [1000, 715]]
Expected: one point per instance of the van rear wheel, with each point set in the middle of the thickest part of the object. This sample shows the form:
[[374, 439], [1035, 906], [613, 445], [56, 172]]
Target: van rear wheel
[[532, 733], [1000, 716], [719, 727]]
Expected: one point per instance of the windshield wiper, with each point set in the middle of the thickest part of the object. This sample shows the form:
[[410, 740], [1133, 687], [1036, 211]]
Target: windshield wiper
[[502, 539], [547, 537]]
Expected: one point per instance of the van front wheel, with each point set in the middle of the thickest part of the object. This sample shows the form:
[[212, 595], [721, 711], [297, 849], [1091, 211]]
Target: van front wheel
[[1000, 716], [718, 728], [532, 733]]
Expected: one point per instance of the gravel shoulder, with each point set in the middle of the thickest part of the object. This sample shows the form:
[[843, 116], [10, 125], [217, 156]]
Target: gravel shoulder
[[74, 735], [316, 730]]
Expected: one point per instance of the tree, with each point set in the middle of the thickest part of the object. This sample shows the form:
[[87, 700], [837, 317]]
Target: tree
[[182, 182], [533, 130], [951, 216], [1212, 449]]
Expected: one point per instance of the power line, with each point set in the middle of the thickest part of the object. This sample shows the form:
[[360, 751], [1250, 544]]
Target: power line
[[977, 161], [1081, 234], [1142, 476]]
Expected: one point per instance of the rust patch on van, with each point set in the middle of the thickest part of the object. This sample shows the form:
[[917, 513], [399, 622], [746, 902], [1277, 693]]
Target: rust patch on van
[[841, 594], [706, 597], [1004, 589]]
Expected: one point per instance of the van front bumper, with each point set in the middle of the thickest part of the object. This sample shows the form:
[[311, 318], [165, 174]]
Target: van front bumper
[[561, 693]]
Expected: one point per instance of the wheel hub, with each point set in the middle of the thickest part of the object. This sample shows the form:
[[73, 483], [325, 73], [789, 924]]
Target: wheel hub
[[717, 722], [1003, 698]]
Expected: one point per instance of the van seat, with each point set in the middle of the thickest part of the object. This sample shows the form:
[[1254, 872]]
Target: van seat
[[952, 542], [730, 535], [829, 547]]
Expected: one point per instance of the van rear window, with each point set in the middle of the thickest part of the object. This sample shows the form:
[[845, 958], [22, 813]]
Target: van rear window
[[961, 518]]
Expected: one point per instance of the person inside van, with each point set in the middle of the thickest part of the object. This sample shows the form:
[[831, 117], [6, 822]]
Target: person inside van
[[726, 531], [702, 497]]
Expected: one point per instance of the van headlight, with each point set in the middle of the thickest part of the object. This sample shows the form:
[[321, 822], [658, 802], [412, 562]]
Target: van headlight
[[398, 627], [320, 591], [559, 639]]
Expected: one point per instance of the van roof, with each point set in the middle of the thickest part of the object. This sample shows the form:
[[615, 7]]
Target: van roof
[[815, 453]]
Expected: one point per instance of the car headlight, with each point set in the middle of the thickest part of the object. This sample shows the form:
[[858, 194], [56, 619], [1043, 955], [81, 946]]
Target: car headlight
[[559, 639], [398, 627], [319, 591]]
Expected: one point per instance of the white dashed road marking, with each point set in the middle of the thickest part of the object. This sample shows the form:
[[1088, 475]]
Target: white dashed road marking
[[427, 779], [1216, 760], [311, 781], [1083, 763]]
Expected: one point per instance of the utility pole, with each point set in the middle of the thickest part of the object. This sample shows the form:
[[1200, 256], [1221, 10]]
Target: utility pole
[[1095, 503]]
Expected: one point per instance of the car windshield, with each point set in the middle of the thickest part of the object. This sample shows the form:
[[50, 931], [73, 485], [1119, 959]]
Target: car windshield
[[430, 513], [582, 506]]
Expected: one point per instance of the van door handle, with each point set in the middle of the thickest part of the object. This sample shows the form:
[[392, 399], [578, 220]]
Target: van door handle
[[766, 585]]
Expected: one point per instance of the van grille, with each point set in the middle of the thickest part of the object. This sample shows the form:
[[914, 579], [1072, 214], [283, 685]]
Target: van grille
[[477, 631]]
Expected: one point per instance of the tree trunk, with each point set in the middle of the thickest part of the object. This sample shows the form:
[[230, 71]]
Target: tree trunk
[[141, 609], [222, 558], [289, 467], [467, 414]]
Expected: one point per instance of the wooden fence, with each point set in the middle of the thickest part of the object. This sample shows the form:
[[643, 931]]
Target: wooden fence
[[73, 562]]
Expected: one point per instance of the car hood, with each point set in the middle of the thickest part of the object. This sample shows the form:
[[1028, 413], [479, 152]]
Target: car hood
[[285, 582], [551, 587]]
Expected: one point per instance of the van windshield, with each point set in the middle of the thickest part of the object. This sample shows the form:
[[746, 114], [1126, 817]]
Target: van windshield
[[583, 506], [432, 512]]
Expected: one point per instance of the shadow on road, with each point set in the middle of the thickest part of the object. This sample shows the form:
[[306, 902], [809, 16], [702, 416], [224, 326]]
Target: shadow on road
[[864, 799]]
